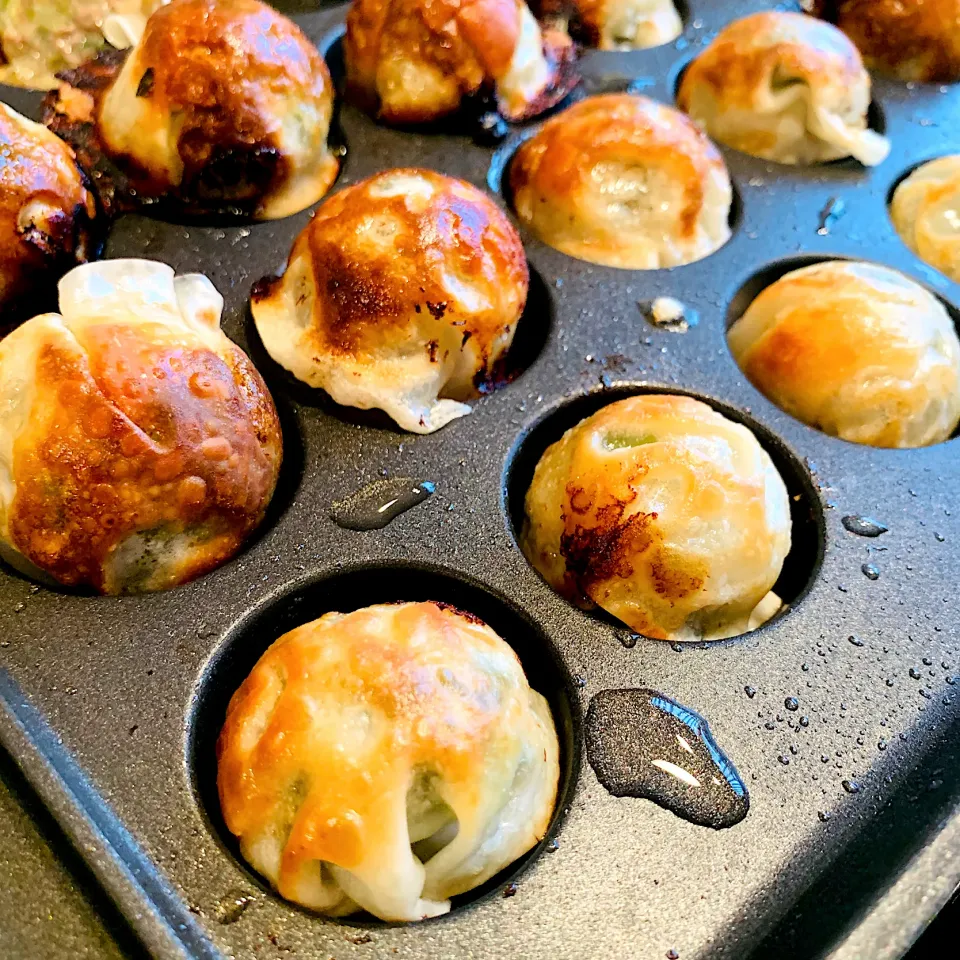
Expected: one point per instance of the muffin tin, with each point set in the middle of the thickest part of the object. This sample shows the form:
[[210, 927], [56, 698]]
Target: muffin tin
[[112, 705]]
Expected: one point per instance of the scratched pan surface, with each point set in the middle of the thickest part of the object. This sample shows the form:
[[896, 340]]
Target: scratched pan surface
[[111, 706]]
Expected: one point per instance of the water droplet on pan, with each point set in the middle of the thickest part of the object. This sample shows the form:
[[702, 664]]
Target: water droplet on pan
[[834, 209], [641, 743], [870, 571], [863, 526], [851, 786], [792, 703], [751, 692], [375, 505]]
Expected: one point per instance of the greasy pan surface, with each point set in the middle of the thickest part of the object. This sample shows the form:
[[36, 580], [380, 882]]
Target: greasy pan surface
[[126, 695]]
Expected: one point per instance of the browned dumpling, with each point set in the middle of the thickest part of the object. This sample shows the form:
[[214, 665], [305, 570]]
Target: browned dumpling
[[138, 445], [926, 212], [220, 106], [402, 293], [624, 181], [413, 61], [784, 87], [856, 350], [46, 212], [664, 513], [386, 760], [615, 24], [915, 40]]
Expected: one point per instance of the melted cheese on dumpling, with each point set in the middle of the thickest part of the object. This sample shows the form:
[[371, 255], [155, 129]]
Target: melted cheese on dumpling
[[784, 87], [225, 104], [387, 760], [401, 294], [664, 513], [138, 445], [926, 212], [856, 350], [624, 181]]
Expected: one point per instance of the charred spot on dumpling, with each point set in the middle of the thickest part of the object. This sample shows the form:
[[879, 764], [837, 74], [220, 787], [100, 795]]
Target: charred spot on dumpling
[[624, 181], [387, 760], [403, 294], [146, 448], [217, 109], [784, 87], [48, 215], [856, 350], [914, 40], [415, 62], [679, 528]]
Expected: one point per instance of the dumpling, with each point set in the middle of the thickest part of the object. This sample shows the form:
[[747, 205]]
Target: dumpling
[[616, 24], [402, 294], [856, 350], [915, 40], [664, 513], [138, 445], [46, 213], [784, 87], [413, 61], [219, 106], [386, 760], [624, 181], [926, 212]]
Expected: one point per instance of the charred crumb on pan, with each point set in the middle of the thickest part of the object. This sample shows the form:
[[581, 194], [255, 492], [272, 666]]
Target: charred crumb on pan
[[437, 310]]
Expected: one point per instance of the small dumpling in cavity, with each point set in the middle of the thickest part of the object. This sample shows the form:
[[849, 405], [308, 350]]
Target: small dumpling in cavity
[[414, 61], [402, 294], [915, 40], [784, 87], [856, 350], [217, 106], [624, 181], [47, 214], [664, 513], [926, 212], [616, 24], [386, 760], [138, 445]]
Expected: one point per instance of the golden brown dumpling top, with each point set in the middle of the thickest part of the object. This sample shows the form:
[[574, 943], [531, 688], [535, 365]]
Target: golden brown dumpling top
[[386, 760], [46, 211], [402, 293], [915, 40], [856, 350], [785, 87], [664, 513], [926, 212], [624, 181], [615, 24], [221, 105], [412, 61], [138, 445]]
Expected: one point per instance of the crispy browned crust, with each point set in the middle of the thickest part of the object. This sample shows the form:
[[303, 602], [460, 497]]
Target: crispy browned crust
[[142, 438], [915, 40], [363, 299], [470, 41], [617, 127], [213, 64], [47, 217], [745, 54]]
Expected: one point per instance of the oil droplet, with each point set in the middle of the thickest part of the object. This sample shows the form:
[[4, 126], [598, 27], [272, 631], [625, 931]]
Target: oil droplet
[[792, 703], [851, 786], [863, 526], [870, 571], [643, 744], [914, 673], [231, 906], [510, 890], [672, 955], [666, 313], [629, 640], [751, 692], [823, 815], [855, 640], [375, 505]]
